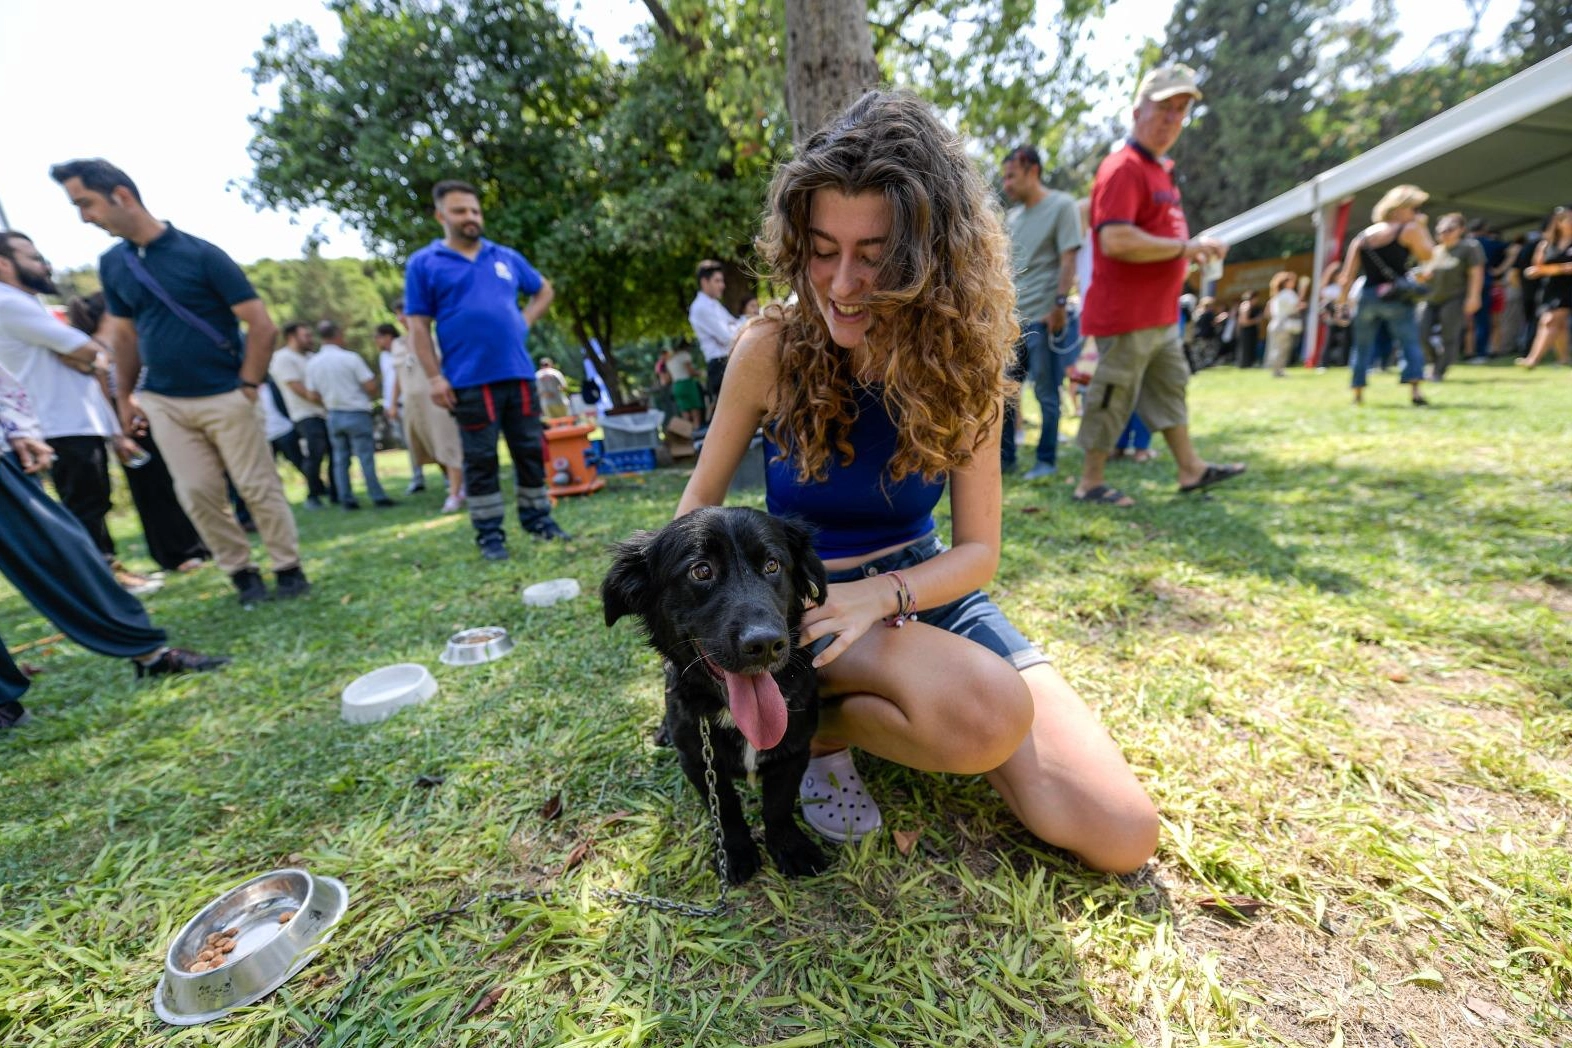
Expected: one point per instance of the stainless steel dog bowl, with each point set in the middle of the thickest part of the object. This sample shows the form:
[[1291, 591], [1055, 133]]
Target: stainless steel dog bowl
[[267, 952], [382, 693], [481, 644]]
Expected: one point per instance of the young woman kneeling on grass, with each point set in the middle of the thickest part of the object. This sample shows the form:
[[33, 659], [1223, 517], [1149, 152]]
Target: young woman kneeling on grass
[[879, 386]]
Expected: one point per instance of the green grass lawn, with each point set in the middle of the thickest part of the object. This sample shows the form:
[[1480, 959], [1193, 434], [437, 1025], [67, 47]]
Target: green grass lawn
[[1345, 679]]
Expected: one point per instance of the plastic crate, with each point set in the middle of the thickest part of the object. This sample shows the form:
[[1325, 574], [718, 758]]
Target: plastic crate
[[627, 432], [633, 460]]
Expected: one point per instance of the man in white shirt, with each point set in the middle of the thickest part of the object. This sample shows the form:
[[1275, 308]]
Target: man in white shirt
[[346, 385], [288, 369], [713, 324], [54, 362]]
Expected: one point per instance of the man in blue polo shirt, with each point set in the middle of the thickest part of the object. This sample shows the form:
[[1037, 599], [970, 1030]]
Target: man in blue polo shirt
[[470, 287], [175, 303]]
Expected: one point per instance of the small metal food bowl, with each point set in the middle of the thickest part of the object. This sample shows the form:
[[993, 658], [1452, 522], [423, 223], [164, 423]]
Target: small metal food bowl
[[474, 646], [276, 922], [382, 693]]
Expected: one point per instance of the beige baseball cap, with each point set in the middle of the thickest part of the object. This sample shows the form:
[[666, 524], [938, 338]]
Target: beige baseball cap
[[1166, 81]]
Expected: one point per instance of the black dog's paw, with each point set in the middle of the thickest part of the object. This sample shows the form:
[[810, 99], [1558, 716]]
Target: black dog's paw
[[796, 855], [742, 859]]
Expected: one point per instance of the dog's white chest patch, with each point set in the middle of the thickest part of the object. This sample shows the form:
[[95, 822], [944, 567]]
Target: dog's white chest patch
[[750, 760]]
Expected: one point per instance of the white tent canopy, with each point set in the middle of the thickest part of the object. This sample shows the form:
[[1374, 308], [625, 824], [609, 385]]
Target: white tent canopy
[[1504, 155]]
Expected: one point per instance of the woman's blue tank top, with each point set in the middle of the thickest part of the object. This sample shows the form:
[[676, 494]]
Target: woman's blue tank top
[[858, 509]]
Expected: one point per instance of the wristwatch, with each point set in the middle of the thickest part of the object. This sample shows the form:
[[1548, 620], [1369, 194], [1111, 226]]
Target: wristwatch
[[1061, 300], [249, 384]]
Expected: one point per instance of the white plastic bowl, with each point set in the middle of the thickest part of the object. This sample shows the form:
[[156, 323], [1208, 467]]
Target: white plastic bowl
[[545, 594], [381, 693]]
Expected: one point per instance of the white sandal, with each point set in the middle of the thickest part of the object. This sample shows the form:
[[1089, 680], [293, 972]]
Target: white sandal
[[834, 801]]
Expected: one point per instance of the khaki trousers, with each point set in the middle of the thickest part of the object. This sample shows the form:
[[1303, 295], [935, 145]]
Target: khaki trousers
[[202, 438]]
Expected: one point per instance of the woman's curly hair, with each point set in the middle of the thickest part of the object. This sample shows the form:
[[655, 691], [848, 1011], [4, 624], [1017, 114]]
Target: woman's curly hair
[[944, 300]]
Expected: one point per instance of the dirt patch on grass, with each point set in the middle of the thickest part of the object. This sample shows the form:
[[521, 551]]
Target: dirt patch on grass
[[1558, 598], [1309, 984], [1185, 609]]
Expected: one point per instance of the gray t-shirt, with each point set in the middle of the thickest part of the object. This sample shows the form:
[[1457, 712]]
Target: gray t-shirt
[[1039, 236], [1449, 269]]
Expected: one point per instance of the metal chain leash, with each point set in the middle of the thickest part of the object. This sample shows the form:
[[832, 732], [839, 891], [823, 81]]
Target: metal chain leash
[[638, 900]]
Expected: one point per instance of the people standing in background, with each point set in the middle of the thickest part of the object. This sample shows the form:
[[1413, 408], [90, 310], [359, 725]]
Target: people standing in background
[[1284, 324], [389, 353], [1141, 250], [1381, 253], [1045, 240], [469, 288], [430, 431], [288, 369], [346, 385], [55, 363], [172, 540], [1552, 265], [1494, 249], [199, 393], [1531, 288], [1457, 282], [1247, 330], [713, 325], [685, 392], [553, 386]]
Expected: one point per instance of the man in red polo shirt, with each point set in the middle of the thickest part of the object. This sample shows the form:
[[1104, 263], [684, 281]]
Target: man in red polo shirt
[[1141, 249]]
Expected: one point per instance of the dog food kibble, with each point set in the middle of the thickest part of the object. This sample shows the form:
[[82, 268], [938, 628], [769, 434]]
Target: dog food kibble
[[227, 946], [206, 955], [230, 933], [286, 916]]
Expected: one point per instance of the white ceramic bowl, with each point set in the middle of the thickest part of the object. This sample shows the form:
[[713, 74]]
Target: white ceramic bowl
[[382, 693], [545, 594]]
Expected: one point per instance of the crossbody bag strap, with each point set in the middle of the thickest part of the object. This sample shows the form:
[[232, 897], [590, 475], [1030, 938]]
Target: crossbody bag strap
[[191, 320]]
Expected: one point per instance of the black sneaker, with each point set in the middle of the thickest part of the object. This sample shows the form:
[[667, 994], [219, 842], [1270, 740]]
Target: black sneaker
[[12, 715], [349, 504], [384, 503], [547, 530], [494, 549], [415, 487], [179, 660], [252, 589], [291, 582]]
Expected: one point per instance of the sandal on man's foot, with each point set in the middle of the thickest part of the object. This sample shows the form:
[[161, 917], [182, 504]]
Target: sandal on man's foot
[[1212, 475], [834, 801], [1103, 495]]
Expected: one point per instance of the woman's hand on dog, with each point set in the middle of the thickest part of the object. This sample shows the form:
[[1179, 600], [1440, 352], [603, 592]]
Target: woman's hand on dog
[[848, 611]]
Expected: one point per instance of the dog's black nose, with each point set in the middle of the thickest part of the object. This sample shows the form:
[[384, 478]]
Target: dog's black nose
[[758, 644]]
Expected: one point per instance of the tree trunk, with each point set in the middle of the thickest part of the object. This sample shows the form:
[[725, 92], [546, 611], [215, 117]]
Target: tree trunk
[[829, 60]]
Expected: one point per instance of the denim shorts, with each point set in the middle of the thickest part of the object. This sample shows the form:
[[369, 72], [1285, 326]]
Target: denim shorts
[[972, 616]]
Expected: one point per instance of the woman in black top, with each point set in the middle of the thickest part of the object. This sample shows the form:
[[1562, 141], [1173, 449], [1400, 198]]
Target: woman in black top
[[1553, 265], [1383, 251]]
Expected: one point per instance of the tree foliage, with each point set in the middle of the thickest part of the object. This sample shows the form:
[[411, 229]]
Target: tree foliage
[[356, 295], [1247, 141]]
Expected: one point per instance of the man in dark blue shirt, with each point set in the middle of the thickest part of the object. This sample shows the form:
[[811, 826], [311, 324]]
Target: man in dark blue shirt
[[471, 288], [179, 301]]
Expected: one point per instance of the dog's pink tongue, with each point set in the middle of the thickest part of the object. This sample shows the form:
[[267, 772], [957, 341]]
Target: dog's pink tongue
[[757, 707]]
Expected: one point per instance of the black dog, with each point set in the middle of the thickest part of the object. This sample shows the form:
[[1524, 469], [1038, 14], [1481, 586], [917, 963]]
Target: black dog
[[721, 594]]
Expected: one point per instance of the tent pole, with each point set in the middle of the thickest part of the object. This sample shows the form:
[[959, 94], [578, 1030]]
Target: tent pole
[[1322, 218]]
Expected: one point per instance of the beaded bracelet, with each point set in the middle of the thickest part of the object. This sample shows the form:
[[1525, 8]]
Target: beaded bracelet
[[905, 603]]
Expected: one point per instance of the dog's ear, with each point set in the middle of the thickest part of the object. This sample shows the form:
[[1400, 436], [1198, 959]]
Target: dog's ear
[[627, 586], [808, 575]]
